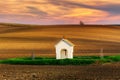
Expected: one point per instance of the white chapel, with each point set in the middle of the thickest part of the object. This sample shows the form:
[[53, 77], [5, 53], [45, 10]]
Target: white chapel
[[64, 49]]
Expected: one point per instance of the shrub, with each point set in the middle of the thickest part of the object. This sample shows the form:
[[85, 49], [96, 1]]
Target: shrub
[[49, 62], [83, 60], [114, 58], [87, 57]]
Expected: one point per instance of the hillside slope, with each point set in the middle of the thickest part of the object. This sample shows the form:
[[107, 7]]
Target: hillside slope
[[43, 38]]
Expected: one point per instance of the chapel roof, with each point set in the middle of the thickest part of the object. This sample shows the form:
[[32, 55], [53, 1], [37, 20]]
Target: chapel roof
[[66, 41]]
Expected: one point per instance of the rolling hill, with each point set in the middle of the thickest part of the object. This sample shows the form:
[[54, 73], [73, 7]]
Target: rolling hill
[[19, 38]]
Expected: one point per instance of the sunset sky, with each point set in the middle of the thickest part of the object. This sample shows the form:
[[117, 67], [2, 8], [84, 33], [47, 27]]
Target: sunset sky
[[60, 11]]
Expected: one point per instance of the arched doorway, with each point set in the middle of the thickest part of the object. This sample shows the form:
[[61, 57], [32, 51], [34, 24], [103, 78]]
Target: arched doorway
[[64, 53]]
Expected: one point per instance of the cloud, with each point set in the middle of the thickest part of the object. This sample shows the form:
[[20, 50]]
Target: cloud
[[113, 8], [36, 11], [60, 11]]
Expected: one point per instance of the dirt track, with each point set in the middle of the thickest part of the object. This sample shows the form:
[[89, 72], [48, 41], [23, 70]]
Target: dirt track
[[30, 72]]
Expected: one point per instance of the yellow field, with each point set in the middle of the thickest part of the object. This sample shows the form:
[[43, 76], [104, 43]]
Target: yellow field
[[24, 39]]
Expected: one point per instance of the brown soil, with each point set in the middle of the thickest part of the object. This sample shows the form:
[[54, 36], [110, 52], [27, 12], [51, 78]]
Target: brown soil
[[38, 72]]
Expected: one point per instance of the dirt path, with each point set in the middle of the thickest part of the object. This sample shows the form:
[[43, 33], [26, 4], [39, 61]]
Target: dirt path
[[37, 72]]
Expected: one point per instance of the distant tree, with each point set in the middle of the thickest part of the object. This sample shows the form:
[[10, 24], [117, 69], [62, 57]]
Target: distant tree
[[81, 23]]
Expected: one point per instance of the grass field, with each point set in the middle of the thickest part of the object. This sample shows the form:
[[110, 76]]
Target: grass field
[[22, 40], [79, 60]]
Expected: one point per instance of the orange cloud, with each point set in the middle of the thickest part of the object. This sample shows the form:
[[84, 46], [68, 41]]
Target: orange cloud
[[59, 11]]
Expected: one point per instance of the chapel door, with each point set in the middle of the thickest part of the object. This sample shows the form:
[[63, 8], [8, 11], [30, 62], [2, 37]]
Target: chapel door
[[63, 53]]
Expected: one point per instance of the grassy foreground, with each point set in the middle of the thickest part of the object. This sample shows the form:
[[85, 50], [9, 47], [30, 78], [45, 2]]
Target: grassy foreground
[[82, 60]]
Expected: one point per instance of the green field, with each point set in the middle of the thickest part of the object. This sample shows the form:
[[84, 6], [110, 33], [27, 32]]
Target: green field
[[81, 60]]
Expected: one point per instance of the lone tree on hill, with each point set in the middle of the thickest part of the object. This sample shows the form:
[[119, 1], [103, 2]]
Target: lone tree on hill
[[81, 23]]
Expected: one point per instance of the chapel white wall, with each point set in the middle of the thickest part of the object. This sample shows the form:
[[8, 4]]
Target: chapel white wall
[[63, 45]]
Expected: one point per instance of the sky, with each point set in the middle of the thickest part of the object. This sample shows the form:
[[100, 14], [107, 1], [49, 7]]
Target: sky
[[46, 12]]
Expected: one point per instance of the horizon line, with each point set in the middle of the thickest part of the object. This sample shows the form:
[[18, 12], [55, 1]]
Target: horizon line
[[57, 24]]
